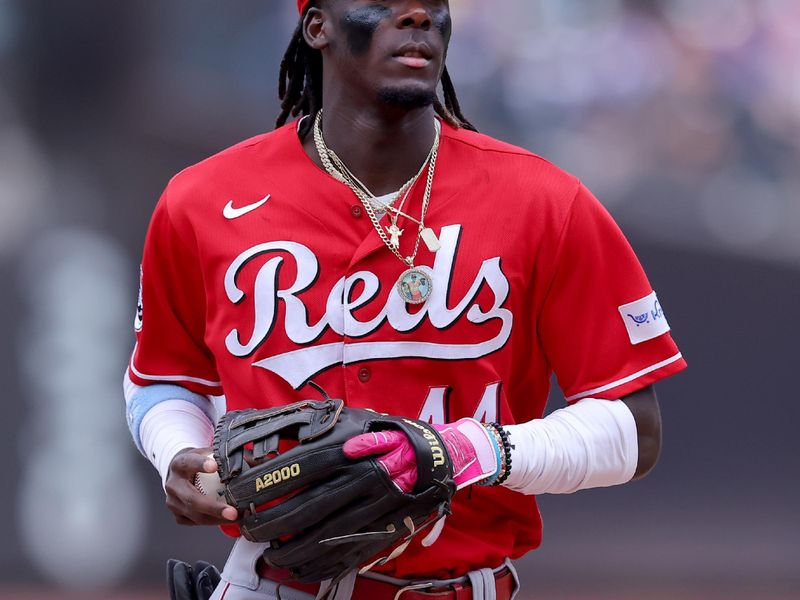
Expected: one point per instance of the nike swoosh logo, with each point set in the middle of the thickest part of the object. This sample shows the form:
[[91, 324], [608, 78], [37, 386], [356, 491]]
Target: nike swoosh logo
[[229, 212]]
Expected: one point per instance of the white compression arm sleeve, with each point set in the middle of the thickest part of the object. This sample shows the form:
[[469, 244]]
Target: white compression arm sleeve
[[592, 443], [171, 426]]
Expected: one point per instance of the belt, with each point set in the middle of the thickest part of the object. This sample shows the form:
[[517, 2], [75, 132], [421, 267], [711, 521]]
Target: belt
[[373, 589]]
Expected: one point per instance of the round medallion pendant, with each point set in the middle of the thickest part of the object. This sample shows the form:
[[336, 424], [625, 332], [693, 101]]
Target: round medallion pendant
[[414, 286]]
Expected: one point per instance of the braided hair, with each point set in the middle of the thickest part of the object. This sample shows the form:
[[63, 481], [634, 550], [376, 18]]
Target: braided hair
[[300, 87]]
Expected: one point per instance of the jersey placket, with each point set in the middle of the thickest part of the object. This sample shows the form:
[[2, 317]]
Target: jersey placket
[[357, 375]]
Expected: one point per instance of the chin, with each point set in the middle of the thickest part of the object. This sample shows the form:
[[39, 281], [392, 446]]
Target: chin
[[407, 96]]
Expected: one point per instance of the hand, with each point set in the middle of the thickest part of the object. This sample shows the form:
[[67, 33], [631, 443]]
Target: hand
[[321, 513], [471, 448], [184, 500]]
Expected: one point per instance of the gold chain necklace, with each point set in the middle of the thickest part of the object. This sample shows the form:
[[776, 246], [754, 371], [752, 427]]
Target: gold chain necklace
[[414, 285], [342, 173], [352, 181], [348, 174]]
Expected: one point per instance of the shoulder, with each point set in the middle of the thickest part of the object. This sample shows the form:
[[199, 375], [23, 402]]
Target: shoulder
[[482, 143], [231, 171], [523, 175], [233, 162]]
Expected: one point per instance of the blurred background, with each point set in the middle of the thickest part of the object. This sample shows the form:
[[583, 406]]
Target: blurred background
[[683, 116]]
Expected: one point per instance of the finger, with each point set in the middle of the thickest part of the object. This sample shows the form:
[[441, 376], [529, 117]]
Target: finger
[[210, 465], [192, 461], [229, 513], [181, 580], [406, 481], [369, 444], [193, 518], [207, 521], [399, 460], [401, 465], [197, 505], [185, 510], [207, 581]]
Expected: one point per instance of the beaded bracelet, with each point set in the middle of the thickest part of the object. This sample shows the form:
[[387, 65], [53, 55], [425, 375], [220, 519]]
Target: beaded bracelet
[[504, 455], [498, 452], [505, 469]]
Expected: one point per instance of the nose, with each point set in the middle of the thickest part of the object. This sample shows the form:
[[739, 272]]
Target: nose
[[416, 16]]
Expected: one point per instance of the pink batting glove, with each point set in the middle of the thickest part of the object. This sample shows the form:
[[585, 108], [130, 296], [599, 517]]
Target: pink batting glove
[[471, 448], [398, 459]]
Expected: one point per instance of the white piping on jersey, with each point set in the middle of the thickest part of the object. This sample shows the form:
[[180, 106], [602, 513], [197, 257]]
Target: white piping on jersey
[[627, 379], [173, 378]]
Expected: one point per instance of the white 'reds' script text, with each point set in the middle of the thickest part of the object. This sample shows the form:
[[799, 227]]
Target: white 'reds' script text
[[297, 366]]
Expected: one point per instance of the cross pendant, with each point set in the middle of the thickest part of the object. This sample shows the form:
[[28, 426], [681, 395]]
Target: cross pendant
[[395, 232]]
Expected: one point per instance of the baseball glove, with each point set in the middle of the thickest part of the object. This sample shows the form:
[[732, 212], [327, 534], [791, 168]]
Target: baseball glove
[[322, 513]]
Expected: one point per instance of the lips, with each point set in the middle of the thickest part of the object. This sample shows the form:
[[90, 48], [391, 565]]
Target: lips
[[414, 55]]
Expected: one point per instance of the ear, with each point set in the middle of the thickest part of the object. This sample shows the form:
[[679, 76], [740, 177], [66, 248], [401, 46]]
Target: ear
[[315, 29]]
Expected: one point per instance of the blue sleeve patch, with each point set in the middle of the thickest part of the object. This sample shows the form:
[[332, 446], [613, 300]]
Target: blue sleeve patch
[[145, 398]]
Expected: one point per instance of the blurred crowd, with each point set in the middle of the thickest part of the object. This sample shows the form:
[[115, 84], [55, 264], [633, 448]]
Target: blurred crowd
[[682, 116]]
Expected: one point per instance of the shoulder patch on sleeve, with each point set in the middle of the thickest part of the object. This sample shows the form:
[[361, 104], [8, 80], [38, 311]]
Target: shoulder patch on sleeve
[[138, 318], [644, 319]]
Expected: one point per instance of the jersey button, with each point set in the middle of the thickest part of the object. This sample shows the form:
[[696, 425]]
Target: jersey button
[[364, 374], [356, 211]]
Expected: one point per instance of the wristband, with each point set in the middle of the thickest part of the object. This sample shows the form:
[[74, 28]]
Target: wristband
[[505, 470], [503, 453]]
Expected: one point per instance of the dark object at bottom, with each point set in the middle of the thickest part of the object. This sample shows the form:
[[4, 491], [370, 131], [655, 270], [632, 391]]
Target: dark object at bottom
[[186, 582]]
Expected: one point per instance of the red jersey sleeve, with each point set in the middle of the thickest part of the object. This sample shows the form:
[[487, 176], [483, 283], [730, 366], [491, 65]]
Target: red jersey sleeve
[[170, 319], [601, 324]]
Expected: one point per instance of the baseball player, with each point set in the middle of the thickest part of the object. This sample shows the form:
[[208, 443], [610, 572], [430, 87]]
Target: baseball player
[[382, 249]]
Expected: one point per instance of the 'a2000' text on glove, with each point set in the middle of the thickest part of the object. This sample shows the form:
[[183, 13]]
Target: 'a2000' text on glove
[[325, 514]]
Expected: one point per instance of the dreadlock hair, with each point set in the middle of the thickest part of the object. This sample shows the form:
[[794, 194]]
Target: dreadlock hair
[[300, 88]]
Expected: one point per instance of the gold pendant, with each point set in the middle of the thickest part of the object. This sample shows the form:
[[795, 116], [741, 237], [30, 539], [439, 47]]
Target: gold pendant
[[414, 286], [430, 239], [395, 232]]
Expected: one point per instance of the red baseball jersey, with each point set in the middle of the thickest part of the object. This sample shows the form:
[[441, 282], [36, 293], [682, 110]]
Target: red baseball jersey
[[262, 273]]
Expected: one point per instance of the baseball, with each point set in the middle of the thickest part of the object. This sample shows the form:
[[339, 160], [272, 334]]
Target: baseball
[[210, 484]]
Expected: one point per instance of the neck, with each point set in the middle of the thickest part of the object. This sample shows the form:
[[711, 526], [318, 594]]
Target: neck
[[382, 146]]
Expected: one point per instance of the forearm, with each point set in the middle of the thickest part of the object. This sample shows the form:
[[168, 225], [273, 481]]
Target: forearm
[[170, 427], [165, 419], [592, 443], [644, 406]]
